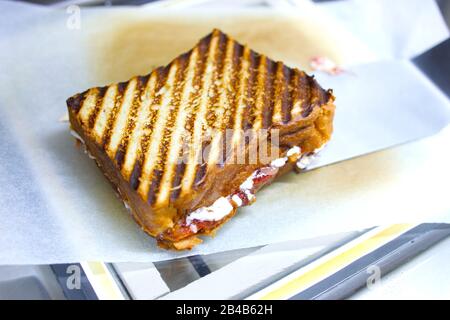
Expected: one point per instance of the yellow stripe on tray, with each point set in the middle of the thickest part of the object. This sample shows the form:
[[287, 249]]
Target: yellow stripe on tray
[[102, 281], [331, 263]]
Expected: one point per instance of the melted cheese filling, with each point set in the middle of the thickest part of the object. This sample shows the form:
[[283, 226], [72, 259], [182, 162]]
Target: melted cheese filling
[[224, 206]]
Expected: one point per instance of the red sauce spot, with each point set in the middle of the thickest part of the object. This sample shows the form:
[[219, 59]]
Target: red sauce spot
[[263, 175], [241, 194]]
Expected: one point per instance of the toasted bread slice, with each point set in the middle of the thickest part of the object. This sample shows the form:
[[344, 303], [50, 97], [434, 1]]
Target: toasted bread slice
[[148, 134]]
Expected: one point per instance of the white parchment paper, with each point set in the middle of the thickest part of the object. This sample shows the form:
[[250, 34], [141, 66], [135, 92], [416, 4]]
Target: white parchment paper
[[392, 29], [57, 207]]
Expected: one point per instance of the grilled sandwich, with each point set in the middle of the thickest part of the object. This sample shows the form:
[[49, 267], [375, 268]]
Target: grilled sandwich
[[170, 141]]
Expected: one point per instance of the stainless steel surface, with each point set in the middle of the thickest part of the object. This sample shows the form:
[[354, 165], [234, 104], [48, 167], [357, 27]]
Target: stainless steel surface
[[424, 277], [29, 282]]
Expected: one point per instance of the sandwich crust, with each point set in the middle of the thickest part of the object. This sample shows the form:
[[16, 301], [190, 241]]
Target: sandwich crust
[[138, 130]]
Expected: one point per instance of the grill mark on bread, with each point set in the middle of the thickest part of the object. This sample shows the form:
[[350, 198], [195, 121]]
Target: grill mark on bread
[[200, 111], [252, 88], [192, 103], [286, 101], [142, 82], [156, 177], [175, 153], [88, 106], [143, 139], [136, 173], [319, 95], [277, 97], [235, 83], [307, 105], [269, 92], [226, 48], [200, 174], [106, 137], [122, 86], [101, 119], [134, 146], [135, 108], [201, 168], [121, 120], [161, 103], [119, 157], [176, 183], [296, 107], [75, 103], [241, 95], [238, 140], [212, 117], [171, 125], [98, 104], [259, 93], [232, 89]]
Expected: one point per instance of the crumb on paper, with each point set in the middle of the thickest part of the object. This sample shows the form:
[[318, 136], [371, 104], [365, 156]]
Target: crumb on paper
[[325, 64]]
